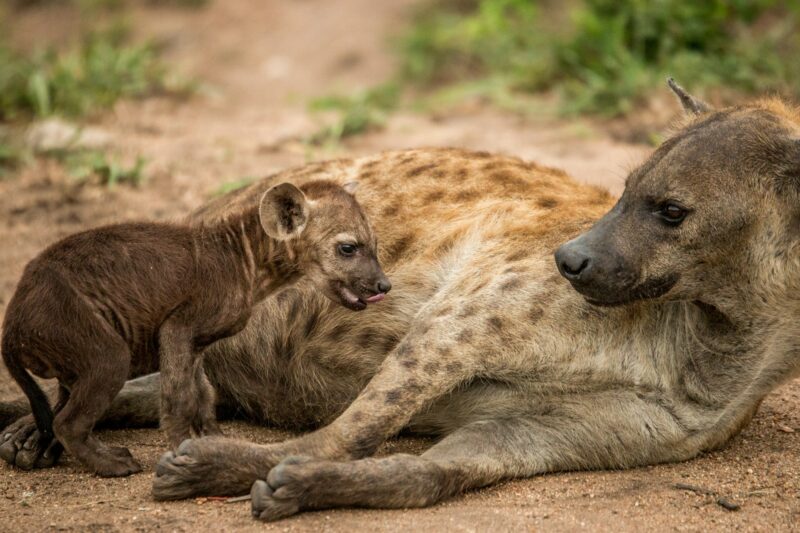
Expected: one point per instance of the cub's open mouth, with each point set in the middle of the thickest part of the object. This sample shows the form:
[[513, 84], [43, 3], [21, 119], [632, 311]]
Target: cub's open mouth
[[349, 299]]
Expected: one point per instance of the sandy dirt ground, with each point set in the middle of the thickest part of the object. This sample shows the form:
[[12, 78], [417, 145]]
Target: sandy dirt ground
[[260, 62]]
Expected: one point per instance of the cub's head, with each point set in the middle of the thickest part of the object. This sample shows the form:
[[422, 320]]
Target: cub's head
[[328, 231], [714, 210]]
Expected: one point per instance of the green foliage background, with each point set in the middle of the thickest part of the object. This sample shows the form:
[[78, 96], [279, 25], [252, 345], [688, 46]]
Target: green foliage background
[[603, 55]]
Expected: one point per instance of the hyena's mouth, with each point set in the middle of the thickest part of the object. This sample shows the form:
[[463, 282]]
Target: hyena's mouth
[[348, 297], [653, 288]]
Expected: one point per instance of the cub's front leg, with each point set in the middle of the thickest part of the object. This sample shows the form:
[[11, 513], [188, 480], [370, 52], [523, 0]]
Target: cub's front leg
[[187, 397]]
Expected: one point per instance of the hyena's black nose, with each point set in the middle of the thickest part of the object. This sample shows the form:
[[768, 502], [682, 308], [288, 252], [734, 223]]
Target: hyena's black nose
[[384, 285], [573, 262]]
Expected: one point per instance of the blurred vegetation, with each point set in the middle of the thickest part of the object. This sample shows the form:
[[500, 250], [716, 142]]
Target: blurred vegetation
[[603, 56], [234, 185], [97, 166], [356, 114], [78, 82], [108, 4]]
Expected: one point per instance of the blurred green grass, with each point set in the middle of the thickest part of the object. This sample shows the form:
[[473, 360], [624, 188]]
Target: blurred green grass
[[83, 80], [603, 56], [78, 82]]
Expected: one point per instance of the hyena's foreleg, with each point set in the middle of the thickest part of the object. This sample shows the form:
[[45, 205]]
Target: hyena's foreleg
[[592, 433], [427, 363]]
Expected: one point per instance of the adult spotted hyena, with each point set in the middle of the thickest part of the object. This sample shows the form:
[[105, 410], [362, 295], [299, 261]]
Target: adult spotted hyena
[[652, 337]]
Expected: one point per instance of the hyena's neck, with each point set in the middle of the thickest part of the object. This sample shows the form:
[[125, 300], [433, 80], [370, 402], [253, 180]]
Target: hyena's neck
[[695, 340], [266, 263]]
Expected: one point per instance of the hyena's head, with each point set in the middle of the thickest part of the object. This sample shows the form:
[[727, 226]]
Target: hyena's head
[[331, 237], [713, 211]]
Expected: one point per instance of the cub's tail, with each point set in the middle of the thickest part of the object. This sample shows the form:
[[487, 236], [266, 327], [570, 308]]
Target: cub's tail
[[42, 412]]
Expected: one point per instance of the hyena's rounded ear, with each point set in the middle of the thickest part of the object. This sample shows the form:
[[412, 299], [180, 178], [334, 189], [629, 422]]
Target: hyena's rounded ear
[[690, 103], [283, 211], [350, 187]]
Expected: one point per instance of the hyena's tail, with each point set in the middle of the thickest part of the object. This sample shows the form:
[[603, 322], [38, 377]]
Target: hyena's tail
[[40, 405]]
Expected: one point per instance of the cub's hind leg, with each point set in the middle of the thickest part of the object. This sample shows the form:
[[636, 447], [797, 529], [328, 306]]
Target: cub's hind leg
[[91, 395]]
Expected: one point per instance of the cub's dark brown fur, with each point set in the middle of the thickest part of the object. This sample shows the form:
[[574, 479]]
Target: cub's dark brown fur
[[97, 308]]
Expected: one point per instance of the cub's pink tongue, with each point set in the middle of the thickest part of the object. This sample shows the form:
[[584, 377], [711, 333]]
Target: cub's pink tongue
[[377, 298]]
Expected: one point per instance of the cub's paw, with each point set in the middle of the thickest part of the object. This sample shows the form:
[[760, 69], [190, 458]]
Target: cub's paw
[[119, 463]]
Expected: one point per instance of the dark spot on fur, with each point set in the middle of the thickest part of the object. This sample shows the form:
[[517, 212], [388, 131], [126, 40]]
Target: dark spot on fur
[[491, 165], [367, 338], [478, 287], [464, 336], [509, 181], [339, 332], [444, 352], [444, 311], [367, 442], [535, 313], [390, 210], [512, 284], [393, 396], [495, 323], [461, 173], [468, 311], [409, 363], [433, 196], [412, 386], [431, 367], [477, 155], [466, 195], [416, 171], [395, 250], [358, 416], [547, 202], [367, 175], [453, 367], [516, 256]]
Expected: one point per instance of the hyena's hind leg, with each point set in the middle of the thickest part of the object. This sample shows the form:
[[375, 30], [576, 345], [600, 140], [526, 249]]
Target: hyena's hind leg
[[23, 446]]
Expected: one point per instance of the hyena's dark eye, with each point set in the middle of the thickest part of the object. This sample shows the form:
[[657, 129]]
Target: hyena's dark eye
[[347, 249], [672, 213]]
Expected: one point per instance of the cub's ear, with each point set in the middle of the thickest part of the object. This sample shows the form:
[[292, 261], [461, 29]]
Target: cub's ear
[[283, 211], [690, 103], [350, 187]]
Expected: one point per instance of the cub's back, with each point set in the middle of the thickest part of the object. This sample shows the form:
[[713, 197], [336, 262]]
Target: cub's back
[[131, 275]]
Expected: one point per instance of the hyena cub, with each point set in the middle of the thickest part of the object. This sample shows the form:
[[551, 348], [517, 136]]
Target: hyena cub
[[98, 307]]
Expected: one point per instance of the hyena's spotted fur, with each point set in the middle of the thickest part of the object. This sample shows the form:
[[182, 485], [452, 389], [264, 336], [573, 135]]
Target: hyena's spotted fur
[[483, 343]]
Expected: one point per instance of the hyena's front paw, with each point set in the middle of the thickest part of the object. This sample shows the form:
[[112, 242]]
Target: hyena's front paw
[[23, 446], [285, 491], [209, 466]]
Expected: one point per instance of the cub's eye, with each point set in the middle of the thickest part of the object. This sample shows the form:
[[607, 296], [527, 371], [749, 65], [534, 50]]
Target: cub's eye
[[672, 214], [347, 249]]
